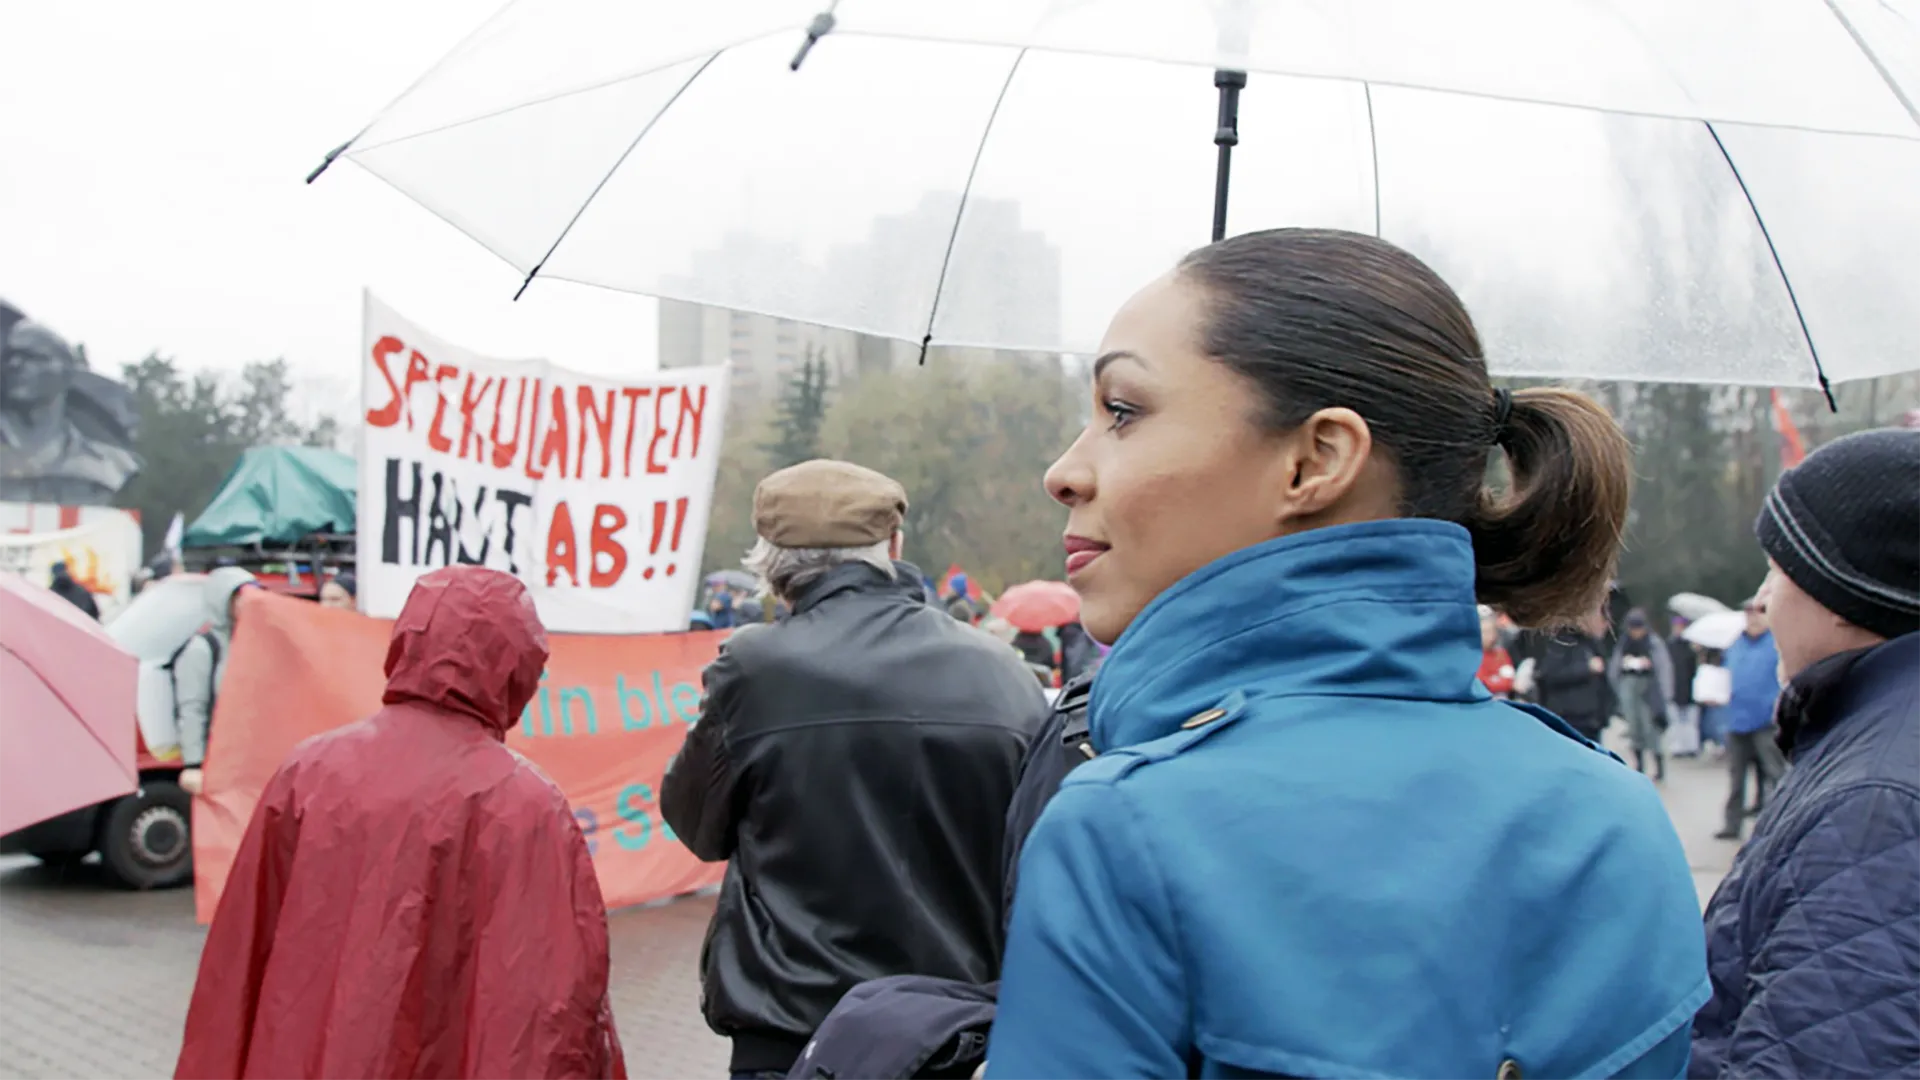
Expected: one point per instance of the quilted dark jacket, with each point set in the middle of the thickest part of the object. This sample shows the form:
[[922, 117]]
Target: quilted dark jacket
[[1813, 939]]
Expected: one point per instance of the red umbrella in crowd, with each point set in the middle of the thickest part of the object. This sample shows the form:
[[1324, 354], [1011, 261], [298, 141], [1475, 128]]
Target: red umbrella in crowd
[[954, 571], [66, 708], [1038, 605]]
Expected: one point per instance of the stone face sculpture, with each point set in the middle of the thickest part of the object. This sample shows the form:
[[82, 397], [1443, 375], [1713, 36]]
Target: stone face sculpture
[[66, 433]]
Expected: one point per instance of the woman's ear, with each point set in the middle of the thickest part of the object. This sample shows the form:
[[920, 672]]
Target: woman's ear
[[1330, 452]]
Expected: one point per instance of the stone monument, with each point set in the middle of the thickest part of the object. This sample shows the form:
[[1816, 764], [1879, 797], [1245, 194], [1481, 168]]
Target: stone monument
[[66, 433]]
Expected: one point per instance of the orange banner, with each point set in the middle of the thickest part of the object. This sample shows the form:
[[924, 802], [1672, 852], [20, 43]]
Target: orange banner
[[611, 712]]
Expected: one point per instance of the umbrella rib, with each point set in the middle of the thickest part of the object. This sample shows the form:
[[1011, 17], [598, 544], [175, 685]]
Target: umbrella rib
[[1793, 298], [62, 698], [960, 212], [411, 87], [1874, 60], [1373, 144], [561, 95], [621, 160]]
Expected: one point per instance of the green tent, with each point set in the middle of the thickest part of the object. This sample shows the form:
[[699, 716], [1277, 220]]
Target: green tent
[[279, 495]]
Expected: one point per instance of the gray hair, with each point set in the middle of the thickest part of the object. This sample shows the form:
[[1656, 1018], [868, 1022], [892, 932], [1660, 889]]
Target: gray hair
[[785, 571]]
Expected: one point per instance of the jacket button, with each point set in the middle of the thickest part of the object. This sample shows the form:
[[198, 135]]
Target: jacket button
[[1203, 719], [1509, 1070]]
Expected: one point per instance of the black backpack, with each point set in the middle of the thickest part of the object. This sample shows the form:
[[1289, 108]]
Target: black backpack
[[213, 670]]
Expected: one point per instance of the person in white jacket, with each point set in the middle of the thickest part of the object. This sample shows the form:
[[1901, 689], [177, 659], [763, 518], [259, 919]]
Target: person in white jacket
[[199, 668], [1641, 672]]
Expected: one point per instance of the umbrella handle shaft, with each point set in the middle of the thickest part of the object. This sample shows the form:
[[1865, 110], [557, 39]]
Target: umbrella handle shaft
[[1226, 135]]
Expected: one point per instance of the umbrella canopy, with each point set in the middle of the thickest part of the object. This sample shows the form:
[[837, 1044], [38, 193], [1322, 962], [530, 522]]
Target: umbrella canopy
[[733, 579], [1717, 630], [1038, 605], [1693, 606], [66, 708], [955, 574], [1708, 191]]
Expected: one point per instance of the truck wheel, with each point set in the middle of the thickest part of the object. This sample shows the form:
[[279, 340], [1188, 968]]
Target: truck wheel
[[146, 840]]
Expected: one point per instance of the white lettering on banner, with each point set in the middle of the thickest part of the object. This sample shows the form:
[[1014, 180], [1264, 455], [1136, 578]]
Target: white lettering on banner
[[594, 491]]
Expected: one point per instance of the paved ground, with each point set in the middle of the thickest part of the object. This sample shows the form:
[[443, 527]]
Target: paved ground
[[94, 982]]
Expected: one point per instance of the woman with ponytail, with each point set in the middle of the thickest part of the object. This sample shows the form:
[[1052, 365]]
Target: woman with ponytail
[[1312, 843]]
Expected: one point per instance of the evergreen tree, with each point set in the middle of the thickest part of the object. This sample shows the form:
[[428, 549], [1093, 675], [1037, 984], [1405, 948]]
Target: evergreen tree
[[193, 428], [798, 415]]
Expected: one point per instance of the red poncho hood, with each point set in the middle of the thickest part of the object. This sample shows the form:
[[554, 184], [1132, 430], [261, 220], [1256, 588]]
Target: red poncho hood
[[412, 898], [469, 642]]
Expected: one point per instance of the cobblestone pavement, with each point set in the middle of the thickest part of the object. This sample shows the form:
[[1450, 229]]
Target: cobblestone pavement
[[94, 982]]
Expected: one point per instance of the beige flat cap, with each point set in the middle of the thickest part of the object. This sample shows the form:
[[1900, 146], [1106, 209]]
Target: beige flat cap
[[828, 504]]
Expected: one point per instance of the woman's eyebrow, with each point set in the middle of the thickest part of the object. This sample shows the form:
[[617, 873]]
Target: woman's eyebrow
[[1107, 359]]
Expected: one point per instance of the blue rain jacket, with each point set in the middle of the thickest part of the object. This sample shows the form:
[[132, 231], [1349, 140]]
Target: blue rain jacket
[[1754, 664], [1314, 845]]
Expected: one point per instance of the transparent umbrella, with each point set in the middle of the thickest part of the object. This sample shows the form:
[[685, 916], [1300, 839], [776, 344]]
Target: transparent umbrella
[[1716, 630], [1715, 191], [1694, 607], [733, 579]]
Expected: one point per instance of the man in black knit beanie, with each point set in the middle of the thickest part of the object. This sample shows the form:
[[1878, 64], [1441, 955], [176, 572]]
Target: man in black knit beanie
[[1813, 939]]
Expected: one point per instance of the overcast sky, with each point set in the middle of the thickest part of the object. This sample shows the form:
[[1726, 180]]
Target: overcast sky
[[152, 195]]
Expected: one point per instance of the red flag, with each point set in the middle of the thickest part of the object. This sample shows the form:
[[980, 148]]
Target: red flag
[[1792, 449]]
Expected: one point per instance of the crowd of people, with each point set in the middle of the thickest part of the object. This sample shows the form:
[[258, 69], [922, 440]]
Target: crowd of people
[[1056, 654], [1282, 830], [1670, 694]]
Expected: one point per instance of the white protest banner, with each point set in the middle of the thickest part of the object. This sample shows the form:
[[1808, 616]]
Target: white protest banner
[[594, 491], [101, 553]]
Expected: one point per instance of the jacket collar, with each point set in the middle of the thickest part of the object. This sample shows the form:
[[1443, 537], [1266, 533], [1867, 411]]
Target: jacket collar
[[1817, 699], [1380, 609], [864, 578]]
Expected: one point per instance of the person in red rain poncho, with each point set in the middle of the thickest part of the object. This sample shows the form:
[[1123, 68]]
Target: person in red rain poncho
[[1496, 666], [412, 898]]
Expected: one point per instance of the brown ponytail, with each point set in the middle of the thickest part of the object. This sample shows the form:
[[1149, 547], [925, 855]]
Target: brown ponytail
[[1316, 318], [1545, 550]]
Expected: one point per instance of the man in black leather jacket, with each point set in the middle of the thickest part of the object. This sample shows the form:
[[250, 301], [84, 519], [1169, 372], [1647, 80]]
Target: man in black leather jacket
[[917, 1026], [854, 764]]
